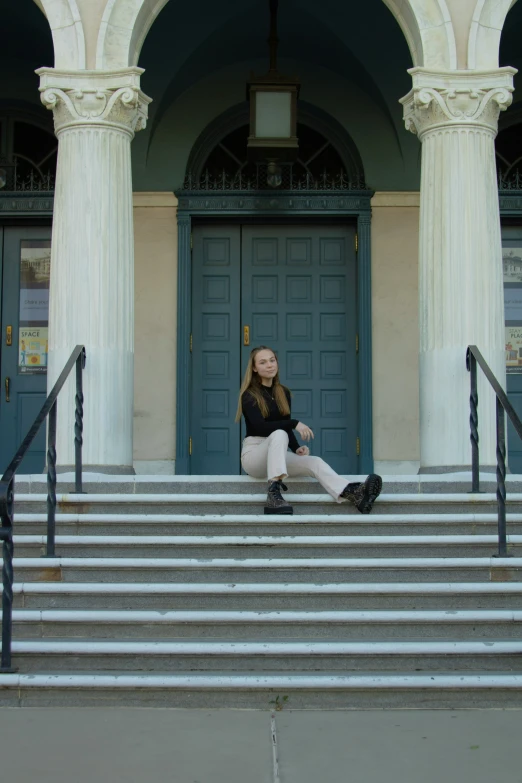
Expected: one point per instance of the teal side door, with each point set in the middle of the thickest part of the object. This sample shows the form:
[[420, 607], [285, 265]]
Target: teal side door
[[512, 262], [23, 359], [216, 325], [294, 287]]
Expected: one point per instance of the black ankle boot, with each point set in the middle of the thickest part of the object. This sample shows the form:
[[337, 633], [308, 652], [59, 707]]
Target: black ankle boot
[[350, 491], [275, 502], [363, 496]]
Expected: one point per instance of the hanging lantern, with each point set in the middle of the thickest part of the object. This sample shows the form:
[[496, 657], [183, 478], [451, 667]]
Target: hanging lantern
[[273, 109]]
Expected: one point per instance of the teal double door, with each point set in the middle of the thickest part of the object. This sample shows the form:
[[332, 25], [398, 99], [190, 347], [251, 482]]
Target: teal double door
[[25, 257], [292, 288]]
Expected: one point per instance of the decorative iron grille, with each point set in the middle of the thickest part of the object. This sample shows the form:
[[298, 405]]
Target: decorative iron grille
[[14, 180], [512, 181], [259, 180]]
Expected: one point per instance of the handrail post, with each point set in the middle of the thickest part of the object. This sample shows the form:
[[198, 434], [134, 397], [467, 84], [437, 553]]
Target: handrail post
[[7, 481], [501, 480], [473, 422], [6, 520], [78, 423], [51, 482]]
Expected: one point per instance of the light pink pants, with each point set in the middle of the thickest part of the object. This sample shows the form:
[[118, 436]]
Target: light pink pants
[[269, 457]]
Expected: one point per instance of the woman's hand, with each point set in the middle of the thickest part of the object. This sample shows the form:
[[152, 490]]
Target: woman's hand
[[303, 451], [304, 431]]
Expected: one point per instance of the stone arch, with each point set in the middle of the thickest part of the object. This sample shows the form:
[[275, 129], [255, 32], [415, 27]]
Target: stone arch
[[428, 29], [123, 29], [67, 31], [485, 32], [426, 25]]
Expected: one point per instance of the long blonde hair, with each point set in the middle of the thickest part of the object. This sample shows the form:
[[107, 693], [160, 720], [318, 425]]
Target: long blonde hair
[[254, 387]]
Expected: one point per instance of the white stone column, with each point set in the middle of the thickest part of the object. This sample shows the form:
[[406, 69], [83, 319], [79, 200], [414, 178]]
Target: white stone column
[[455, 115], [92, 257]]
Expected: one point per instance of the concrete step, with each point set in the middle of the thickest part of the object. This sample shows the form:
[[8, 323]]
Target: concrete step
[[60, 655], [156, 597], [165, 484], [268, 596], [372, 690], [297, 546], [277, 569], [261, 525], [451, 503], [258, 625]]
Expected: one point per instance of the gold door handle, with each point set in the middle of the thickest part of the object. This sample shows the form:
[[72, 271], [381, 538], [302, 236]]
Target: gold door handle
[[9, 335], [246, 335], [7, 389]]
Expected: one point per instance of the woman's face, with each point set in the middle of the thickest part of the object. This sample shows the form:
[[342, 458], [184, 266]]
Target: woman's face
[[265, 364]]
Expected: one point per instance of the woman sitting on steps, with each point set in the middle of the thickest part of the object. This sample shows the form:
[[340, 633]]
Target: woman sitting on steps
[[265, 404]]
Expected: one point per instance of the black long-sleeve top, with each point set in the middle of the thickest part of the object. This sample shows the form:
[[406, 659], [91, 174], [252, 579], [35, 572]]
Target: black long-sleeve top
[[262, 427]]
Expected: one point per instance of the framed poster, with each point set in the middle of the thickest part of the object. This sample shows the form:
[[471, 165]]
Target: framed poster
[[512, 264], [35, 270]]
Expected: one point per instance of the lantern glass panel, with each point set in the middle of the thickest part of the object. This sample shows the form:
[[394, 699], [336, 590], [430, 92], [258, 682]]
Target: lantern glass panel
[[273, 115]]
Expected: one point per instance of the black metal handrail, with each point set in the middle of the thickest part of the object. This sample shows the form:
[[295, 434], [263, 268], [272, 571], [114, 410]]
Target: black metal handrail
[[503, 405], [78, 358]]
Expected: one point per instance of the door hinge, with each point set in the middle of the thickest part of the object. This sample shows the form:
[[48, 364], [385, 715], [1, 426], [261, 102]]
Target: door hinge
[[356, 242], [356, 343], [190, 344], [358, 446], [190, 447]]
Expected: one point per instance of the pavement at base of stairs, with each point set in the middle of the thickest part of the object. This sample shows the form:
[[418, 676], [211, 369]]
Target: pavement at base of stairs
[[133, 745]]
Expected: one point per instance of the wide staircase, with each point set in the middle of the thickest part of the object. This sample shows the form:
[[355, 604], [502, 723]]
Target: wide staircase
[[172, 592]]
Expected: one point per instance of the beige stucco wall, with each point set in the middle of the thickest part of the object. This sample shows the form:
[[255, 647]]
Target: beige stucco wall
[[395, 219], [155, 236], [395, 331]]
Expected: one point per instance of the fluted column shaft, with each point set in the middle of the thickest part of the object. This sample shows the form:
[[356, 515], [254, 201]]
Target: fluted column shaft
[[461, 298], [92, 257]]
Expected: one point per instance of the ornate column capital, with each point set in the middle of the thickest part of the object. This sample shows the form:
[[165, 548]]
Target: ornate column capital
[[112, 99], [445, 99]]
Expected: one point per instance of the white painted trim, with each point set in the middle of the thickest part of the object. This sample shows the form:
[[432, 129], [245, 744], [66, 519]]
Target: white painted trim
[[265, 648], [352, 519], [262, 563], [253, 541], [258, 681], [125, 616], [463, 477], [421, 499], [270, 588]]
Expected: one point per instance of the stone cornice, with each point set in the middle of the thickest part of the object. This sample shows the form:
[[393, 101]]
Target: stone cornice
[[270, 202], [443, 99], [112, 99]]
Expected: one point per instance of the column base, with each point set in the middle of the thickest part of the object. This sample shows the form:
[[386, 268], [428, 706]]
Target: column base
[[110, 470], [438, 469]]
